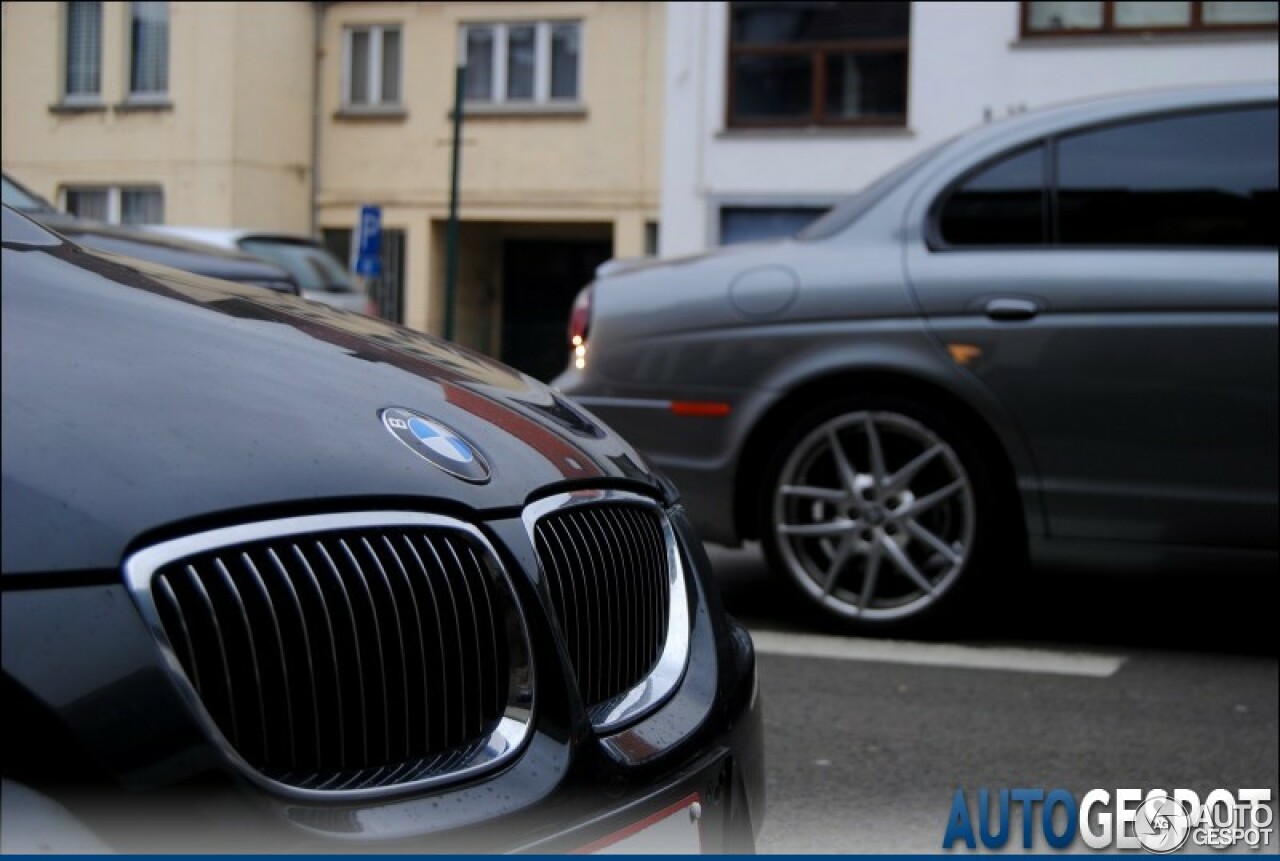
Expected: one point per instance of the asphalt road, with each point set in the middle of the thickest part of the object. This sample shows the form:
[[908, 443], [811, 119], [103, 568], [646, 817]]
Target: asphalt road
[[1075, 682]]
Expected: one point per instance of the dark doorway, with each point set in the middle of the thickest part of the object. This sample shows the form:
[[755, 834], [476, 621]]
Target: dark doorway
[[541, 277]]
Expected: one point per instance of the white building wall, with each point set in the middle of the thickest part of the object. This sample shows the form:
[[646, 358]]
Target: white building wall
[[966, 60]]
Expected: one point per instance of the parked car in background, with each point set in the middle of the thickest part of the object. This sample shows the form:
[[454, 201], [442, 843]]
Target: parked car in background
[[1052, 338], [281, 577], [321, 276], [200, 259]]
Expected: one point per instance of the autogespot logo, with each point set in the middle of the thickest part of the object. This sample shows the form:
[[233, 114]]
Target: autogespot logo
[[437, 443], [1157, 821]]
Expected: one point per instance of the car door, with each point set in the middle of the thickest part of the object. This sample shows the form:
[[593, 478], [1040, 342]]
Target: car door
[[1116, 287]]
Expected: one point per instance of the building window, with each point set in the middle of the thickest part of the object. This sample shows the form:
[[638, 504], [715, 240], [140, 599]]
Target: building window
[[804, 64], [149, 50], [84, 52], [115, 204], [651, 239], [1112, 16], [754, 223], [371, 65], [530, 62]]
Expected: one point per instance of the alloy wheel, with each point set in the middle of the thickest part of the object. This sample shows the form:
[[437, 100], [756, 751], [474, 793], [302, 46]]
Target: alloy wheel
[[874, 515]]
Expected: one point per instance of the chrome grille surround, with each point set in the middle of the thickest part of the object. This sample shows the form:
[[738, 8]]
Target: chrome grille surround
[[145, 573], [627, 706]]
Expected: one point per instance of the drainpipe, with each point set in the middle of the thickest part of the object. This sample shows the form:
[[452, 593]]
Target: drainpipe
[[451, 238], [317, 40]]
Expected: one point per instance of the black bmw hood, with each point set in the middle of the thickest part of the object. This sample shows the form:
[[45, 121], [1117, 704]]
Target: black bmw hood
[[139, 399]]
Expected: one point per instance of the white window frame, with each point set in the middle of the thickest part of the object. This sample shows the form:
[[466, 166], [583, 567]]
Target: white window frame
[[115, 196], [376, 34], [541, 63]]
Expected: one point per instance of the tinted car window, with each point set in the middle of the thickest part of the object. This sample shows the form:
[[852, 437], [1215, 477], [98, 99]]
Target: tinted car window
[[1195, 179], [1002, 204]]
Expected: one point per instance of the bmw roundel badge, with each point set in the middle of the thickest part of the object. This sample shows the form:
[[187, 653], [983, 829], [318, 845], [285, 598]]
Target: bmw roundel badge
[[435, 442]]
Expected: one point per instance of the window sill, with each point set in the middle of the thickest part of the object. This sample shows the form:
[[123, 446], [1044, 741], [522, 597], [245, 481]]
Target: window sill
[[72, 108], [1058, 40], [133, 106], [389, 114], [815, 133], [560, 109]]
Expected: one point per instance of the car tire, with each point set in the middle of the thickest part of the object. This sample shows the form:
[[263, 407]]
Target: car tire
[[878, 512]]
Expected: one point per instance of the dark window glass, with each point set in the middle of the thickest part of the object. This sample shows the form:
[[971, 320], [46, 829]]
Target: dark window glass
[[479, 74], [829, 63], [860, 85], [84, 49], [521, 58], [1002, 204], [766, 23], [1195, 179], [390, 67], [772, 87], [751, 223], [149, 63], [359, 74], [564, 61]]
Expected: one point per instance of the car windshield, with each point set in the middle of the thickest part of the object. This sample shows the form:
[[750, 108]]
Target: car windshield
[[852, 208], [22, 200], [314, 268]]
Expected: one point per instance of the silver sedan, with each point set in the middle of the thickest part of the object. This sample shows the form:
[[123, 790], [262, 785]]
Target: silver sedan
[[1051, 340]]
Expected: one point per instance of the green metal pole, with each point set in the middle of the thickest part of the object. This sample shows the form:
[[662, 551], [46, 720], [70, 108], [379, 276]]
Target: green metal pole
[[451, 242]]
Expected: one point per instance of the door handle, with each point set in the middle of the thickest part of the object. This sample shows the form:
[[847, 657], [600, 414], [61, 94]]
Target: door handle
[[1011, 309]]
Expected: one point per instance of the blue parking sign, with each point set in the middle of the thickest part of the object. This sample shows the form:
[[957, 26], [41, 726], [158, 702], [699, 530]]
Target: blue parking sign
[[369, 242]]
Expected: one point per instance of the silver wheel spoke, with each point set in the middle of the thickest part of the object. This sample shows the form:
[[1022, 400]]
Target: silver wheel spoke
[[870, 575], [847, 473], [827, 494], [904, 564], [919, 532], [837, 562], [928, 501], [831, 527], [877, 453], [900, 479]]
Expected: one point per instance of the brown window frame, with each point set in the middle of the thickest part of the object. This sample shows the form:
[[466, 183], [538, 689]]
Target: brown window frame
[[1109, 28], [817, 52]]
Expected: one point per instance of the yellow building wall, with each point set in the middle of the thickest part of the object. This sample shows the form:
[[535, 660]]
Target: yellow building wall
[[227, 152], [601, 166]]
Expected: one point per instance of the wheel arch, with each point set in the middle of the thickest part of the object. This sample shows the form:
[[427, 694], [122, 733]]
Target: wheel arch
[[809, 393]]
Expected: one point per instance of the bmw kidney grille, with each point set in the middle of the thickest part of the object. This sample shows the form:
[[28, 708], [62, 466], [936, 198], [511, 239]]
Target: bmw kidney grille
[[348, 653]]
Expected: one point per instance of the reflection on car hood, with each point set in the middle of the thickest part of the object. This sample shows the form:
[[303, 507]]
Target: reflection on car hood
[[188, 256], [138, 400]]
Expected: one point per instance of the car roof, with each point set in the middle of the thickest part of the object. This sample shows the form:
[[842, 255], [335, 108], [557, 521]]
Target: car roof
[[1087, 111]]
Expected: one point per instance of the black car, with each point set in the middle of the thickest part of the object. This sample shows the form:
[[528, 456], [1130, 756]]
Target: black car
[[282, 577], [196, 257]]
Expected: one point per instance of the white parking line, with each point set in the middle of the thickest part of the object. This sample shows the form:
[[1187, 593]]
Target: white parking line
[[937, 654]]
